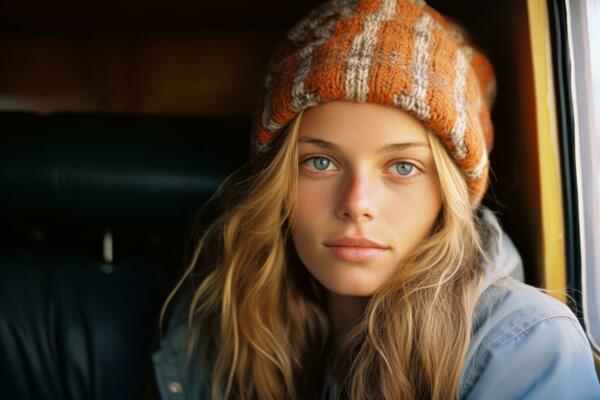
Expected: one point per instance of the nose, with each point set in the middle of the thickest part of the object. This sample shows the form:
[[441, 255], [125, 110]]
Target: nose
[[356, 201]]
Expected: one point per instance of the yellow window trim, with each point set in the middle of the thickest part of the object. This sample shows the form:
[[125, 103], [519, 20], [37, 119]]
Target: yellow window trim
[[553, 271]]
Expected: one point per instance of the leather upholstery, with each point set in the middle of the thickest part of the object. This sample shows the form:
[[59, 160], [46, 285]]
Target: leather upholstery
[[72, 327]]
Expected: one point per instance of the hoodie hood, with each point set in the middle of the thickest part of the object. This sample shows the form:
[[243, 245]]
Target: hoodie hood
[[503, 258]]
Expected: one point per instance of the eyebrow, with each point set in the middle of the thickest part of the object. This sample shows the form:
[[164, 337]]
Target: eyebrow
[[388, 148]]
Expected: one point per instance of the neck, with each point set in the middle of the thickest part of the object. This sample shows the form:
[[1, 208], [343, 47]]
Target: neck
[[345, 312]]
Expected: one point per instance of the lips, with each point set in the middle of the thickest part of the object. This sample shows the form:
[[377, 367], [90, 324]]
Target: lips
[[355, 249]]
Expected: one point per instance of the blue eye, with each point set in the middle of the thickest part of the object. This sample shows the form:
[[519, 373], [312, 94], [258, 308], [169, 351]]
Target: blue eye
[[404, 168], [319, 163]]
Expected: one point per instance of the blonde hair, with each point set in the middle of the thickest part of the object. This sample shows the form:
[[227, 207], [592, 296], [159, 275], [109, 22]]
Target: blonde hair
[[260, 315]]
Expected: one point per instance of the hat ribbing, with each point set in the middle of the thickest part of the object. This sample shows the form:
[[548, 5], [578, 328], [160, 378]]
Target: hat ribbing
[[399, 53]]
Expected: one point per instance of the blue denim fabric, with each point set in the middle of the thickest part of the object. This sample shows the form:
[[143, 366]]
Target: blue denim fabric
[[525, 344], [529, 347]]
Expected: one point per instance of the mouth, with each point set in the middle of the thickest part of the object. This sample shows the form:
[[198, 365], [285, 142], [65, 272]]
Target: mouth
[[355, 249]]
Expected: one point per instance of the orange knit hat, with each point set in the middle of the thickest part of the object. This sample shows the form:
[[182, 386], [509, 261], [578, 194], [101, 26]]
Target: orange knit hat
[[400, 53]]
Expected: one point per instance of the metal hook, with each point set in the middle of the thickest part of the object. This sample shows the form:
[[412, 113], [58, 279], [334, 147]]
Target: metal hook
[[107, 252]]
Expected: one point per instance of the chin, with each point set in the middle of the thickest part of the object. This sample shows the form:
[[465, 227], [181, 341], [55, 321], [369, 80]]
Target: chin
[[351, 288]]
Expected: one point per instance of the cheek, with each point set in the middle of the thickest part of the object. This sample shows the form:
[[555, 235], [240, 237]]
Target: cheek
[[432, 197], [412, 213], [426, 199], [313, 203], [310, 220]]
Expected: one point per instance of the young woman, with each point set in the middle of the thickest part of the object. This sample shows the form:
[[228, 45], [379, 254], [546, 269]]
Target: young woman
[[356, 261]]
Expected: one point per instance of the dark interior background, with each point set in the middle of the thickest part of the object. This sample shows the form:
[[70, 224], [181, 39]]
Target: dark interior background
[[207, 60]]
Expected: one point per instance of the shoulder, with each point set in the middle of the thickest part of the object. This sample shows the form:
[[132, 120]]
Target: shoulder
[[176, 373], [508, 306], [526, 344]]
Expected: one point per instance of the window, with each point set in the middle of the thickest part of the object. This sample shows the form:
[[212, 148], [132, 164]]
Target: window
[[584, 44]]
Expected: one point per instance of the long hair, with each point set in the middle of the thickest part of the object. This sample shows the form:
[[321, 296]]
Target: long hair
[[413, 339], [260, 316]]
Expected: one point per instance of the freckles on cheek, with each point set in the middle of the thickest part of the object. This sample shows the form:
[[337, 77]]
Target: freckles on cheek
[[309, 219], [312, 198], [416, 207]]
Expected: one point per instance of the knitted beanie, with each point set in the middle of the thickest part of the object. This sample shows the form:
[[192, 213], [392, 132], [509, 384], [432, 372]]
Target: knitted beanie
[[399, 53]]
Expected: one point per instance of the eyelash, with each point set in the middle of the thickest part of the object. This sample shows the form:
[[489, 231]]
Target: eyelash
[[411, 174]]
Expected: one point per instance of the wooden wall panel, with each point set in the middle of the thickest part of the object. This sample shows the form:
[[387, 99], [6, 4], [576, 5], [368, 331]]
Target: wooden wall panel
[[214, 73]]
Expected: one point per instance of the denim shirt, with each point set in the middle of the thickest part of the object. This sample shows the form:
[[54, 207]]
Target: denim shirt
[[525, 344]]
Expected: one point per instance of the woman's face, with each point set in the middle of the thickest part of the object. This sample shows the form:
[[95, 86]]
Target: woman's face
[[368, 193]]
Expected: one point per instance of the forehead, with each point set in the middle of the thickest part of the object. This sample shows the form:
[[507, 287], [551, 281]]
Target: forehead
[[361, 125]]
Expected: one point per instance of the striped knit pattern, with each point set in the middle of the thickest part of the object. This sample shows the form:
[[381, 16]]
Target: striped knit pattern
[[399, 53]]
